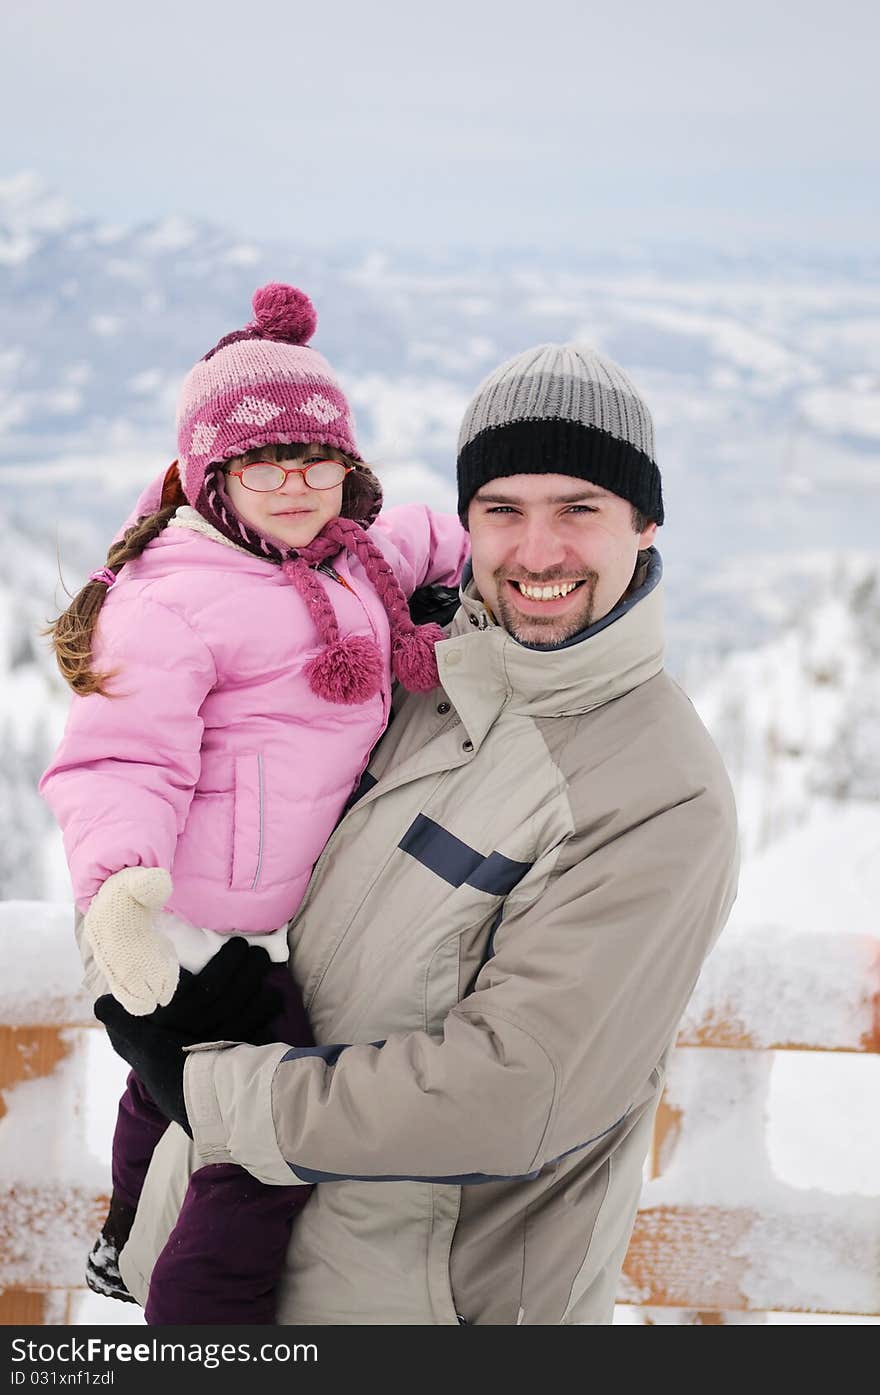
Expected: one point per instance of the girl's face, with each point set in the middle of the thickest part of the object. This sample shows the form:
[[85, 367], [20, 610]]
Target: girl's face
[[293, 514]]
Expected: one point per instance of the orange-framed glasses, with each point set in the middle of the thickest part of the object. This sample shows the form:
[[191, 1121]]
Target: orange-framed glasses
[[265, 476]]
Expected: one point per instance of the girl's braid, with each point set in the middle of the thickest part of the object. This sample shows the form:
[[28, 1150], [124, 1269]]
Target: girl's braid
[[378, 569], [412, 646], [74, 629], [300, 575]]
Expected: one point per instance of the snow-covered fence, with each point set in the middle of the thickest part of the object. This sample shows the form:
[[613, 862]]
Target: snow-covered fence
[[54, 1179], [716, 1232]]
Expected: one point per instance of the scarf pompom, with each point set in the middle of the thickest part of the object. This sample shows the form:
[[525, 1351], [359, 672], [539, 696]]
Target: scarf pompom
[[347, 671], [414, 660]]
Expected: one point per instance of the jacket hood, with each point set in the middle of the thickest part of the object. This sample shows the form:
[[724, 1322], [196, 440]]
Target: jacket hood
[[483, 668]]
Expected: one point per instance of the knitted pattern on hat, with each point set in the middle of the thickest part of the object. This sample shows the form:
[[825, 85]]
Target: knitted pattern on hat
[[560, 409], [260, 386]]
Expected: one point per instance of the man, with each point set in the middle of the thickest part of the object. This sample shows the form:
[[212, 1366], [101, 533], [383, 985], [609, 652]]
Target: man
[[502, 934]]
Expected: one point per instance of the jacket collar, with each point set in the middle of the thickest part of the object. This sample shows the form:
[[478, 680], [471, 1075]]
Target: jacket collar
[[483, 668]]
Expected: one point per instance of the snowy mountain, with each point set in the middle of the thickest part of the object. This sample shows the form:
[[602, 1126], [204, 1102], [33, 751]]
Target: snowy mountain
[[762, 371]]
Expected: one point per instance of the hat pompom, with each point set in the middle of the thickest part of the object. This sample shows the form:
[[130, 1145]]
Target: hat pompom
[[414, 660], [284, 312], [349, 671]]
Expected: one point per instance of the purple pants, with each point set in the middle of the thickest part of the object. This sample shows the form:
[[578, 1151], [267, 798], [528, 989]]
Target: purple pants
[[224, 1257]]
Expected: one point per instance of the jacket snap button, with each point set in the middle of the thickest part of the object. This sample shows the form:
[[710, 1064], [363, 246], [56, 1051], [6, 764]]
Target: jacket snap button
[[467, 745], [453, 659], [443, 708]]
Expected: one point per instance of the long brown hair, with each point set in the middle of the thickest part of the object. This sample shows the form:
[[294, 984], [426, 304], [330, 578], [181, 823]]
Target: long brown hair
[[73, 631]]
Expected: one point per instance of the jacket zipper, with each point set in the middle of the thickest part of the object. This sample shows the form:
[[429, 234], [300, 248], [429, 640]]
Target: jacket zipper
[[329, 571]]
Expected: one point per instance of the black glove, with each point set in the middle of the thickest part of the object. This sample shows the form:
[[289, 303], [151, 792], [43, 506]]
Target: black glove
[[154, 1052], [227, 1001], [434, 603]]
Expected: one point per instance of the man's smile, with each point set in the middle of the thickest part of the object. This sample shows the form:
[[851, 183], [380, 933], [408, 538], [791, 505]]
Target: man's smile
[[548, 591], [546, 598]]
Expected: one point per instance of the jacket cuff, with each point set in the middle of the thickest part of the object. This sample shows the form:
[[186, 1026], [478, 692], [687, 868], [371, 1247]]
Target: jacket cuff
[[227, 1089]]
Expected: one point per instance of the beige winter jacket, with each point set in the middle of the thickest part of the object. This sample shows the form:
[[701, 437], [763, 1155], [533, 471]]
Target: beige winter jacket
[[496, 948]]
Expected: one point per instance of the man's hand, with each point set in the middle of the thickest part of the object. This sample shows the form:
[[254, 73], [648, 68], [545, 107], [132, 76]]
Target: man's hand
[[227, 1001], [154, 1052], [434, 603]]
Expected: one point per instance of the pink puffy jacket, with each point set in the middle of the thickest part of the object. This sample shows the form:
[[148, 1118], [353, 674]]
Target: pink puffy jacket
[[214, 758]]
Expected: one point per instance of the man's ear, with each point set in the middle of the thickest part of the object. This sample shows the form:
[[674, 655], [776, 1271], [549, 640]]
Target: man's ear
[[647, 536]]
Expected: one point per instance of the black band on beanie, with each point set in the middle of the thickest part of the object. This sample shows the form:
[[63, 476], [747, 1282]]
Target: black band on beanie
[[560, 447]]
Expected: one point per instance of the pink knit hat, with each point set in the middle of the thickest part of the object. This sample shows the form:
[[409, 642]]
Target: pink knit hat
[[262, 386]]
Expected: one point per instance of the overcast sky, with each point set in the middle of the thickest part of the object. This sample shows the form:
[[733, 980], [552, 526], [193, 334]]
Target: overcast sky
[[555, 123]]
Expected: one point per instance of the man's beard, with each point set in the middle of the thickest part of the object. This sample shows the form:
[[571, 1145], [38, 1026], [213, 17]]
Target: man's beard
[[546, 629]]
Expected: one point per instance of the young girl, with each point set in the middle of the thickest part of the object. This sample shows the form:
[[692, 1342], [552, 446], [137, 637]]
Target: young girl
[[232, 664]]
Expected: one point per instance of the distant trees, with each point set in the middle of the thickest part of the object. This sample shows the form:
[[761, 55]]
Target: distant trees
[[850, 768], [25, 821], [798, 718]]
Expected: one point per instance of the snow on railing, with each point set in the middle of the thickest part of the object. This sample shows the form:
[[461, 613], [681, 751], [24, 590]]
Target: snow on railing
[[716, 1231], [775, 989]]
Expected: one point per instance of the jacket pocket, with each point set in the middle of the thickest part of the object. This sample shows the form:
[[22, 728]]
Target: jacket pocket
[[248, 823]]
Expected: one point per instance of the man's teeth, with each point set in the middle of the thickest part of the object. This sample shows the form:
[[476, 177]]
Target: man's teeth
[[546, 593]]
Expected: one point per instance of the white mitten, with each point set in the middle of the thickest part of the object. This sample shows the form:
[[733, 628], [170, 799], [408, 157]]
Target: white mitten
[[137, 961]]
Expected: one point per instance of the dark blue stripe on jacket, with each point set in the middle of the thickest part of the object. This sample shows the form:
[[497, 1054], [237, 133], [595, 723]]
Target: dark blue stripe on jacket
[[456, 862]]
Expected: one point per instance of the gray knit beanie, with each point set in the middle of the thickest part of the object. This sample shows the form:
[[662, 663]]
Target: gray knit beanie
[[560, 409]]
